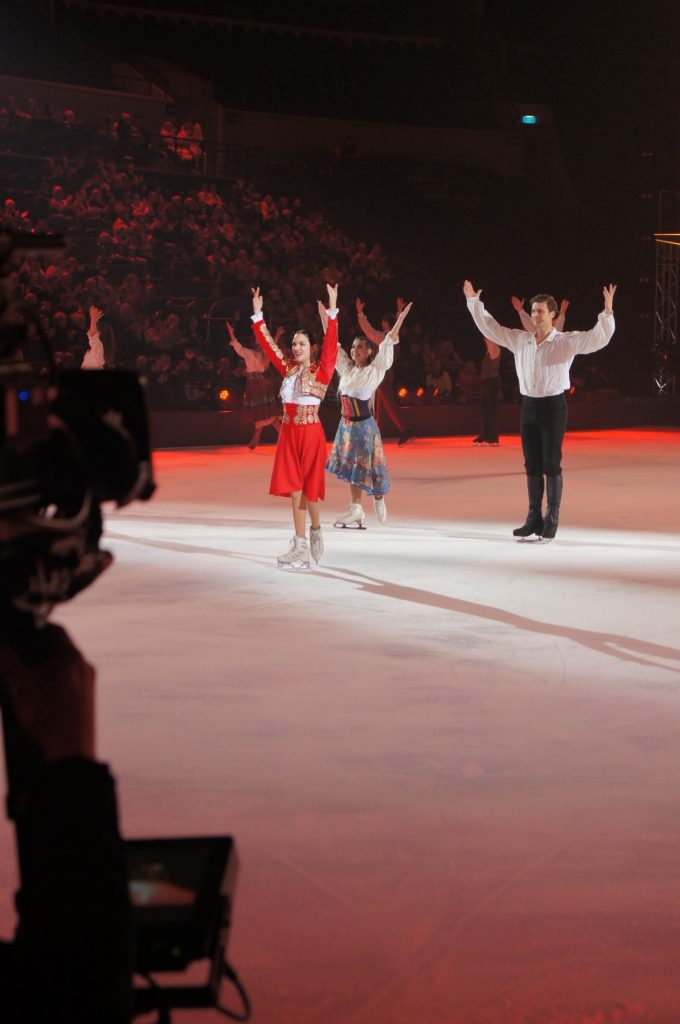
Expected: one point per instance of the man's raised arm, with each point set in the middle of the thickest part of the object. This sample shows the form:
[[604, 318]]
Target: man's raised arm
[[485, 322]]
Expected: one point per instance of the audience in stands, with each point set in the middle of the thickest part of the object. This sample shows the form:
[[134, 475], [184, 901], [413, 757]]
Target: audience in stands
[[154, 251]]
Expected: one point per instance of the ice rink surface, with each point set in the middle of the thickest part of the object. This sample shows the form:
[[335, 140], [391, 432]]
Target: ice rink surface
[[450, 760]]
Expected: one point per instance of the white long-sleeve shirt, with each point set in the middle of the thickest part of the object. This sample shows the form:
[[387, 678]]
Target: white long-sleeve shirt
[[363, 381], [543, 370]]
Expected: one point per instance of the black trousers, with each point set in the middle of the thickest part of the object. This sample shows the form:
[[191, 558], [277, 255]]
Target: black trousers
[[489, 408], [542, 426]]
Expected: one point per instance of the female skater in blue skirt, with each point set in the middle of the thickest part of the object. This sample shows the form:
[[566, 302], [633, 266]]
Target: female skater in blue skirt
[[357, 456]]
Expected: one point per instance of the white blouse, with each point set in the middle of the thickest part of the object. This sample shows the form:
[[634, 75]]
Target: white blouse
[[290, 391], [363, 381]]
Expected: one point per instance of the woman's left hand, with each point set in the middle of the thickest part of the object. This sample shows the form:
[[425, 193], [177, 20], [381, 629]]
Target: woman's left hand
[[394, 333]]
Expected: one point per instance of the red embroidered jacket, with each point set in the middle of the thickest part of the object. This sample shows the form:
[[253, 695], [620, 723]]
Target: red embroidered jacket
[[316, 378]]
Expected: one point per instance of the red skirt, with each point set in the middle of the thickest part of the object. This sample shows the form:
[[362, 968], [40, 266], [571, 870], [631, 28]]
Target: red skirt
[[300, 459], [259, 400]]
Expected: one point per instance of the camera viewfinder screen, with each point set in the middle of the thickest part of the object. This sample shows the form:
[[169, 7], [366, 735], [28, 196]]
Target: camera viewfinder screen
[[164, 877]]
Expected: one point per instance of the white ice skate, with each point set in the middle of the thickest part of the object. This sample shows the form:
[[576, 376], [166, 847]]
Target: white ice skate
[[297, 556], [353, 518], [316, 543], [380, 508]]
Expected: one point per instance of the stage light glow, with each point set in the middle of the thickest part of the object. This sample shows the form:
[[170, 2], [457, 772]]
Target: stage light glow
[[224, 395], [402, 393], [529, 119]]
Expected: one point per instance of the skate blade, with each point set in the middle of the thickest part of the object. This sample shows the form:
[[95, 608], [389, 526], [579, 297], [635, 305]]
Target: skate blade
[[349, 526], [532, 540], [295, 567]]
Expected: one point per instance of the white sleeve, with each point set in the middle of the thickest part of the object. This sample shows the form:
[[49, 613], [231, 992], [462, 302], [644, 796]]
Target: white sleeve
[[573, 343], [504, 336], [384, 356], [527, 322], [343, 363]]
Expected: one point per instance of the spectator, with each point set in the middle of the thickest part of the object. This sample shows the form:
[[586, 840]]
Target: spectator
[[439, 382]]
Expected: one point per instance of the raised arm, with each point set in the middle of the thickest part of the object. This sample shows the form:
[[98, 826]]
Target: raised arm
[[573, 343], [365, 326], [329, 348], [518, 306], [469, 290], [95, 317], [558, 323], [492, 348], [403, 313], [385, 355], [485, 322], [262, 335], [234, 342]]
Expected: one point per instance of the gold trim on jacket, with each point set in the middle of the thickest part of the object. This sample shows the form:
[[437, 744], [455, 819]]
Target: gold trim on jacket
[[309, 385]]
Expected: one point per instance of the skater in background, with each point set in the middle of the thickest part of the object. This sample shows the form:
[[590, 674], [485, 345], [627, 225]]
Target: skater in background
[[357, 456], [527, 322], [490, 378], [300, 457], [101, 352], [260, 405], [542, 360], [385, 404]]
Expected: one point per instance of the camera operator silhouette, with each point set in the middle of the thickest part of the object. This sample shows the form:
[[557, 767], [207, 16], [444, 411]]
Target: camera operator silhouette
[[70, 961]]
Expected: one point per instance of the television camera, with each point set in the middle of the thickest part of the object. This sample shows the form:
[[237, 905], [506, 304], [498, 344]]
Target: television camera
[[70, 441]]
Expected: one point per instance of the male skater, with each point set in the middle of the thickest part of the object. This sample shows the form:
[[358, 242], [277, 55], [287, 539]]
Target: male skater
[[542, 361]]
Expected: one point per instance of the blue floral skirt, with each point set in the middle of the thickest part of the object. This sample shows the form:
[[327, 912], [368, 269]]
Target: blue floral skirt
[[358, 456]]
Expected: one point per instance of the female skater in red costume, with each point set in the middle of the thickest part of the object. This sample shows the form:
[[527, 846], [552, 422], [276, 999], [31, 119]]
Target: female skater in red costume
[[301, 450]]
